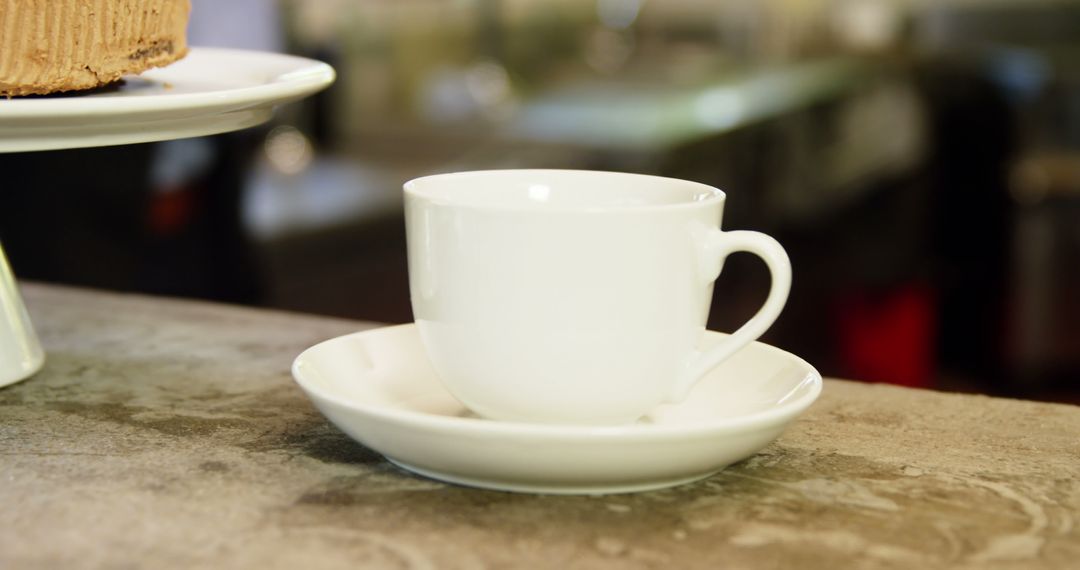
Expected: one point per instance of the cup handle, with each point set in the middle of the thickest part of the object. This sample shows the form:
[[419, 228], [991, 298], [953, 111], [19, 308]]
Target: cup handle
[[718, 245]]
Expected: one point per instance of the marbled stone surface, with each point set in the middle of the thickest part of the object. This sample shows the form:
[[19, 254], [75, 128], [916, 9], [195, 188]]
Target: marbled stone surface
[[169, 434]]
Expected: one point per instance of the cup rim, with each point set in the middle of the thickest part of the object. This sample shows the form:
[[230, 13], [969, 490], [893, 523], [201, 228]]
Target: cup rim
[[711, 194]]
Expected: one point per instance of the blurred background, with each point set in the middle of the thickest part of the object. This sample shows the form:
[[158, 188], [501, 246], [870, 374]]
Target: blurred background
[[919, 159]]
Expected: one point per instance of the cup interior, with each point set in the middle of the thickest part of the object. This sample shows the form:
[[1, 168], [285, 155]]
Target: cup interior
[[560, 190]]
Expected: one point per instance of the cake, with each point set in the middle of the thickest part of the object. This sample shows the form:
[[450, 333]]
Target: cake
[[48, 46]]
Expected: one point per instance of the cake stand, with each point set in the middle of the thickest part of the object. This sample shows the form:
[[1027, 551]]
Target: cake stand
[[208, 92]]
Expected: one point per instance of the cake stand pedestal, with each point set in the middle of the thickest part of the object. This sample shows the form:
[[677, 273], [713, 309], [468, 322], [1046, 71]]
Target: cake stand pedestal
[[210, 91]]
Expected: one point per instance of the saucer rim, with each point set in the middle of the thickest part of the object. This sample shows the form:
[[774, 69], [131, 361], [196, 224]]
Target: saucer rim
[[770, 417], [596, 489]]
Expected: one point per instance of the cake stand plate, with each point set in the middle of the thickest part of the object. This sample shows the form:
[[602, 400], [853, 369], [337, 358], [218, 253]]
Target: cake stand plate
[[210, 91]]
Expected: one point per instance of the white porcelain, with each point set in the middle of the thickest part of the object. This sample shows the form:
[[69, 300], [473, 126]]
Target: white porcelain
[[380, 389], [20, 352], [573, 297], [210, 91]]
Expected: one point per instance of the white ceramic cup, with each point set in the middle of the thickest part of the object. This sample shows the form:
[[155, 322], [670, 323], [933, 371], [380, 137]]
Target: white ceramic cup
[[573, 297]]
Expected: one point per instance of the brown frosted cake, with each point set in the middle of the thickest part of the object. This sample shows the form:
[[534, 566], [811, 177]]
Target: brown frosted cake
[[47, 46]]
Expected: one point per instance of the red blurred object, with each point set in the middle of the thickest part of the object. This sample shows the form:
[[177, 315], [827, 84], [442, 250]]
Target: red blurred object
[[171, 211], [888, 336]]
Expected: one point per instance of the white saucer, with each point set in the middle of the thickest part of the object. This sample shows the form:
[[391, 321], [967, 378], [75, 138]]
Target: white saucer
[[378, 387], [210, 91]]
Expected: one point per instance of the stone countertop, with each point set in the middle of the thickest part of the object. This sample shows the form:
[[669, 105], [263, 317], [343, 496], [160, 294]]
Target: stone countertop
[[169, 434]]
